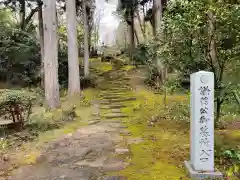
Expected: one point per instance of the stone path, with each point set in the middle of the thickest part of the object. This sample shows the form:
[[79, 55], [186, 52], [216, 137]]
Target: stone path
[[91, 151]]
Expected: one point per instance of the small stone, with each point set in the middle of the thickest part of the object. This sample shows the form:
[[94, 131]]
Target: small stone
[[113, 178], [6, 157], [125, 133], [121, 150], [118, 166], [62, 144], [94, 122], [135, 140], [68, 135], [40, 158], [116, 110], [115, 115], [62, 177]]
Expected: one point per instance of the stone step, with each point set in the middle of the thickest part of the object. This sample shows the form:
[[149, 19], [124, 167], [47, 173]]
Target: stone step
[[119, 88], [113, 121], [112, 106], [116, 90], [119, 83], [114, 115], [116, 110], [107, 93], [112, 97], [121, 100]]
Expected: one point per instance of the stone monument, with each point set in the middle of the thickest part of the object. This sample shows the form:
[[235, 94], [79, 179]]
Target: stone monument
[[201, 164]]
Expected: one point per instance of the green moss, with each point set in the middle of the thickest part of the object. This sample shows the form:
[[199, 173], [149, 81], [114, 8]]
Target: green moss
[[127, 68], [165, 145]]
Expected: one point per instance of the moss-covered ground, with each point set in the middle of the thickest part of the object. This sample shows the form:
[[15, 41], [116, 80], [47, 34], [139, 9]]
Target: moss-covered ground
[[164, 129]]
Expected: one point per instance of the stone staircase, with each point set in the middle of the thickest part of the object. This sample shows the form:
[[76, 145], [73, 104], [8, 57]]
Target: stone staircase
[[114, 96]]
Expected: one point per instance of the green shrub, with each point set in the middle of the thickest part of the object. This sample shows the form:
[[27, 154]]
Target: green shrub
[[19, 57], [16, 104], [86, 82], [142, 54]]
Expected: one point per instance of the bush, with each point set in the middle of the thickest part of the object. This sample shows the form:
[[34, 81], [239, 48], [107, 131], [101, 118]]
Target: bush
[[41, 122], [16, 104], [19, 57], [142, 54], [86, 82]]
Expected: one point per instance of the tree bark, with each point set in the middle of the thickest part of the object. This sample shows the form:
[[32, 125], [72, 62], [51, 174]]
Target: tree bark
[[131, 35], [136, 35], [125, 37], [157, 33], [86, 48], [73, 62], [144, 23], [218, 72], [22, 13], [51, 55], [141, 26], [89, 40], [41, 40]]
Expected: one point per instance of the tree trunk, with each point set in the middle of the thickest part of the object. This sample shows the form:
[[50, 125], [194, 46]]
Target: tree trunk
[[22, 13], [131, 36], [51, 55], [41, 40], [125, 37], [218, 110], [86, 48], [73, 62], [218, 72], [89, 40], [141, 25], [157, 33], [144, 23], [212, 48], [136, 35]]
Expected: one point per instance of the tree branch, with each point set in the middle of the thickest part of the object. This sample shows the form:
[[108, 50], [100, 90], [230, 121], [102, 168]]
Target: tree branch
[[29, 17]]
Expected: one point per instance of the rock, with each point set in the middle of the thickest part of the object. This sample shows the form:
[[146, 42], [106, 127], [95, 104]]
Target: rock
[[135, 140], [106, 94], [121, 100], [117, 166], [112, 106], [113, 178], [116, 110], [115, 115], [40, 158], [125, 133], [115, 125], [112, 97], [5, 157], [121, 150], [94, 122], [68, 135]]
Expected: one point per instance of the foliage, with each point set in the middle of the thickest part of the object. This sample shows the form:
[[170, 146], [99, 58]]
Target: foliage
[[16, 104], [232, 158], [19, 55], [88, 82], [193, 31], [142, 54], [15, 96], [21, 7], [62, 33], [232, 154]]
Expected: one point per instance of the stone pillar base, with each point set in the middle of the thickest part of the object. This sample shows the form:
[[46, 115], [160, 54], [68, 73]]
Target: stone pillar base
[[202, 175]]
